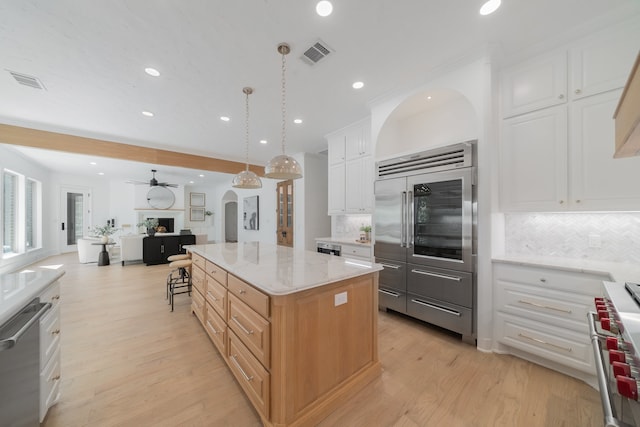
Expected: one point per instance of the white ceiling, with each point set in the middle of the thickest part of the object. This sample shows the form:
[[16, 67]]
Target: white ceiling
[[90, 56]]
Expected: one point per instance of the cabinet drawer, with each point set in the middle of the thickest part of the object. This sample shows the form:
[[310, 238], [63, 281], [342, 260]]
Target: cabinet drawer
[[250, 295], [49, 334], [455, 287], [357, 251], [216, 296], [253, 378], [198, 280], [198, 261], [216, 329], [216, 272], [548, 341], [544, 305], [393, 275], [52, 295], [449, 316], [252, 329], [573, 281], [392, 299], [198, 305], [49, 384]]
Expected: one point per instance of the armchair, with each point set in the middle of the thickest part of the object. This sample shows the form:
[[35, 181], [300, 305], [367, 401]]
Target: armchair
[[87, 252]]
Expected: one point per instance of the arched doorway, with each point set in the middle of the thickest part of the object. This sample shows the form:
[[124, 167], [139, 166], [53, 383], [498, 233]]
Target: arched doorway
[[230, 217]]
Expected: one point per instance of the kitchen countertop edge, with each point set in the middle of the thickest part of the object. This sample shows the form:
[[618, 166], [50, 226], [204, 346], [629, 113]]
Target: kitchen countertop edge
[[33, 287]]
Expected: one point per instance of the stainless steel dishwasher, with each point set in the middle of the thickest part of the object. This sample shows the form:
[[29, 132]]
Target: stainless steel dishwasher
[[20, 366]]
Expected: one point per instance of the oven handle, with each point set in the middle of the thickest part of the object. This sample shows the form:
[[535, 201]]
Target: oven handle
[[610, 419]]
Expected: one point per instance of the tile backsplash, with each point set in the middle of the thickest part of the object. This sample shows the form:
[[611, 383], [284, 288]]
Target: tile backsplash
[[597, 236], [348, 226]]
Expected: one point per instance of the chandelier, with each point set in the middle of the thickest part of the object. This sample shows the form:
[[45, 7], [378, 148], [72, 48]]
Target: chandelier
[[246, 178]]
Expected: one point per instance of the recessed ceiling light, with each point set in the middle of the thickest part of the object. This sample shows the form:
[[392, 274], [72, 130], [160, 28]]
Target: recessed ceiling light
[[190, 182], [297, 121], [201, 176], [490, 7], [357, 85], [100, 173], [92, 163], [263, 141], [324, 8], [152, 71], [224, 118], [147, 113], [428, 97]]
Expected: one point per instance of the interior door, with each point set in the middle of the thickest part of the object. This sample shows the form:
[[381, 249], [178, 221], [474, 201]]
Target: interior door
[[284, 213], [75, 215]]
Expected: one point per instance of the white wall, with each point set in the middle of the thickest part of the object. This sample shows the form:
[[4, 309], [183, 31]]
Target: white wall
[[210, 197], [311, 202]]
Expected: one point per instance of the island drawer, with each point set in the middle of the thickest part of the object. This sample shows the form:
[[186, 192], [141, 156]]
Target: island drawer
[[251, 328], [216, 329], [52, 295], [253, 378], [198, 261], [216, 272], [198, 280], [50, 384], [216, 296], [250, 295], [198, 305], [49, 334]]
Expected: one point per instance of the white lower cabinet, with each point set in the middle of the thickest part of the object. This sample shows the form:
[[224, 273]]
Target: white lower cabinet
[[542, 312], [356, 251], [50, 350]]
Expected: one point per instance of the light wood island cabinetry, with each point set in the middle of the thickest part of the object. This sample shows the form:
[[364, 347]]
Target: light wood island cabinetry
[[297, 329]]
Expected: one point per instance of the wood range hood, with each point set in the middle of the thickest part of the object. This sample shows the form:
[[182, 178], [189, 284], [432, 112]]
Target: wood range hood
[[27, 137], [627, 116]]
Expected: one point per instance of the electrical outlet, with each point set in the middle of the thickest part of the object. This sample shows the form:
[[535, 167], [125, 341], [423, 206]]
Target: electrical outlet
[[595, 241]]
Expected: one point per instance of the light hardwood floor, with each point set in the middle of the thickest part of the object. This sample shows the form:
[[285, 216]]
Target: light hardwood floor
[[128, 361]]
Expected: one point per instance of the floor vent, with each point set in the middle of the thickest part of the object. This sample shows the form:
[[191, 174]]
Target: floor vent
[[315, 53], [26, 80]]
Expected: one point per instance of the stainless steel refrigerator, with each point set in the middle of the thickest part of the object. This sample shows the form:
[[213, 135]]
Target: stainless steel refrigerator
[[425, 236]]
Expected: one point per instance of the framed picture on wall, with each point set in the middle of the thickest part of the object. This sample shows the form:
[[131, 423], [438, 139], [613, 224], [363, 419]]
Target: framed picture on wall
[[250, 215], [197, 199], [197, 214]]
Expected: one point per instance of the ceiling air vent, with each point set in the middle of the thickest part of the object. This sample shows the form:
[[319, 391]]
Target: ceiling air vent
[[26, 80], [315, 53], [455, 156]]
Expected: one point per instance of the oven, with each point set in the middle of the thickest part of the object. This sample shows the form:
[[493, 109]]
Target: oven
[[329, 248], [615, 336]]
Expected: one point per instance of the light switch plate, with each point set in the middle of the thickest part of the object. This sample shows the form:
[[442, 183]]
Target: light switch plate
[[339, 299]]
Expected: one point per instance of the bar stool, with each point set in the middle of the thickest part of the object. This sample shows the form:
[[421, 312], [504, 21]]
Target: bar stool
[[179, 276]]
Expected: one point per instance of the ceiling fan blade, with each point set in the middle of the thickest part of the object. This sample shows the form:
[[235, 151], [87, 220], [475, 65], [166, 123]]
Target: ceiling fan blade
[[166, 184], [137, 182]]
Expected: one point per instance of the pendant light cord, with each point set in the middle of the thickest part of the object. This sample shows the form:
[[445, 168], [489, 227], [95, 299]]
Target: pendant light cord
[[284, 101], [246, 148]]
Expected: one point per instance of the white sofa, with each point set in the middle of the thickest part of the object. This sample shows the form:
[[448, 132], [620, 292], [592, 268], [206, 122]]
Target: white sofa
[[131, 247], [87, 251]]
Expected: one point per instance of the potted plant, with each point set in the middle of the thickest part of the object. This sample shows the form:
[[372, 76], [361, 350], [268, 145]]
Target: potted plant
[[150, 224], [104, 231], [367, 233]]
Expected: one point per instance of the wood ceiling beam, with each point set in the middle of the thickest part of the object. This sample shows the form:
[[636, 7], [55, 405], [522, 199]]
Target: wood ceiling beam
[[35, 138]]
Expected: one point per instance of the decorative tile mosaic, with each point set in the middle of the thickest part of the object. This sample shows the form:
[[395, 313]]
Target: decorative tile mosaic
[[597, 236]]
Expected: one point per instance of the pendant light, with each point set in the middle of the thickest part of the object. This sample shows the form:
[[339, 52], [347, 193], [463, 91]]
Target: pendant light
[[246, 178], [283, 166]]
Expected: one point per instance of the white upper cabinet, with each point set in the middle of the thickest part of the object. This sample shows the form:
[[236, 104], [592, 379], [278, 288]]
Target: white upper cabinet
[[535, 84], [602, 63], [351, 169]]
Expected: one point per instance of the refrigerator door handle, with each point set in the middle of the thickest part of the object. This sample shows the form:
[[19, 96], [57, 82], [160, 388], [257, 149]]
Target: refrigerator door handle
[[410, 218], [403, 220]]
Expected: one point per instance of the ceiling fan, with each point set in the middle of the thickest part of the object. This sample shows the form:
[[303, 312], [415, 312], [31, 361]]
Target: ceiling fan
[[153, 182]]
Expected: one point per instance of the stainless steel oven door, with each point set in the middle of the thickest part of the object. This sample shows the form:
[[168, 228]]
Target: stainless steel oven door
[[440, 219]]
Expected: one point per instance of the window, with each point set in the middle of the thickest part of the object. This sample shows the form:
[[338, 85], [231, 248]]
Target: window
[[21, 214], [9, 213]]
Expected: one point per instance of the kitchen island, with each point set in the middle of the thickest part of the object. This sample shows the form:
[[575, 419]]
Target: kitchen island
[[298, 329]]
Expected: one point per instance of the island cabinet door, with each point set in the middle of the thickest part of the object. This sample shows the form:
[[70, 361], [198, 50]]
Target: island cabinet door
[[198, 261], [255, 299], [216, 297], [198, 280], [216, 329], [251, 328], [198, 305], [216, 272], [252, 376]]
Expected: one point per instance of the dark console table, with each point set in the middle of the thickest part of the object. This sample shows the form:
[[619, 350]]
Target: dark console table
[[156, 249]]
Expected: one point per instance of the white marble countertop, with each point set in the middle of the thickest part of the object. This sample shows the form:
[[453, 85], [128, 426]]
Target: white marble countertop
[[344, 241], [278, 270], [619, 272], [18, 289]]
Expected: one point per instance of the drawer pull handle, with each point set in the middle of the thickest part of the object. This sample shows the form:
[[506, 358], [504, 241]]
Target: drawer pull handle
[[212, 328], [393, 294], [395, 267], [242, 291], [548, 307], [539, 341], [245, 330], [55, 297], [435, 307], [212, 297], [56, 378], [235, 362], [440, 276], [56, 332]]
